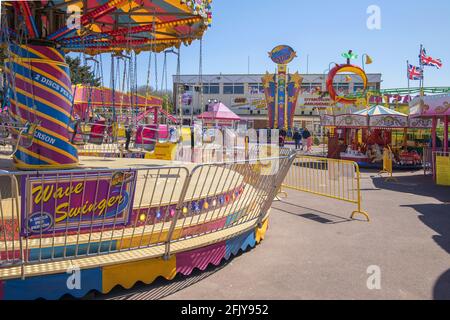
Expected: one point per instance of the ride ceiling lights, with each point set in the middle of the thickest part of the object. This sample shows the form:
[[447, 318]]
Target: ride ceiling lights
[[114, 25]]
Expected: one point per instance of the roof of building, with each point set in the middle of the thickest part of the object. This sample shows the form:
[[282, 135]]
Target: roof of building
[[379, 110], [256, 78]]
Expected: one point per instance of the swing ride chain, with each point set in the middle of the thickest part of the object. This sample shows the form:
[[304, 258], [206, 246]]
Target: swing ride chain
[[28, 128]]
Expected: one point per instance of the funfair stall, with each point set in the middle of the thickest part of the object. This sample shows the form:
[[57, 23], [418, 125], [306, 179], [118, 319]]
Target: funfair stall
[[363, 135], [219, 115], [435, 108]]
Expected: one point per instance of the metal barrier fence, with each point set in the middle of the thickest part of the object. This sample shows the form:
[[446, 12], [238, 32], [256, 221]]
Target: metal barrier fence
[[58, 215], [427, 160], [106, 150], [105, 145], [337, 179]]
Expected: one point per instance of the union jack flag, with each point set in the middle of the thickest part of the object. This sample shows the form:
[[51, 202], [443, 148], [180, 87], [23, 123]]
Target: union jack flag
[[429, 61], [415, 73]]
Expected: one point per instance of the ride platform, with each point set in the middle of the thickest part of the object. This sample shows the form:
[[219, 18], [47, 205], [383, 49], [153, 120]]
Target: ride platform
[[180, 216]]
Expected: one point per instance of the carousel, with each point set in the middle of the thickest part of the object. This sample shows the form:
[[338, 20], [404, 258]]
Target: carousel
[[363, 135]]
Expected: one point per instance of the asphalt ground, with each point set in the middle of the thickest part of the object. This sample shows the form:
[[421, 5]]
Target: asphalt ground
[[312, 250]]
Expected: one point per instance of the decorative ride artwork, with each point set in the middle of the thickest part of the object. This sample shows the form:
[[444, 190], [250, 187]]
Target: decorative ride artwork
[[327, 120], [420, 123], [390, 121], [282, 89], [341, 69], [351, 121], [64, 203]]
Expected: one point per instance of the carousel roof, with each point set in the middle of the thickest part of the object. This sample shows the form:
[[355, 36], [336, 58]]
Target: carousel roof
[[379, 110], [113, 25]]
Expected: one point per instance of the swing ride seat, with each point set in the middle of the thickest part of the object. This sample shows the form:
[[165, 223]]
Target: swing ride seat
[[148, 135], [8, 131], [96, 135]]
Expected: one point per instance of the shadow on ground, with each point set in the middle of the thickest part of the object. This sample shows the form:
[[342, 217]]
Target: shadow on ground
[[437, 217], [308, 213], [415, 184], [441, 289]]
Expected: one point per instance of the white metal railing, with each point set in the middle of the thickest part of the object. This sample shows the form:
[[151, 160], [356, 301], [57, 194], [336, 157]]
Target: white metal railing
[[58, 215]]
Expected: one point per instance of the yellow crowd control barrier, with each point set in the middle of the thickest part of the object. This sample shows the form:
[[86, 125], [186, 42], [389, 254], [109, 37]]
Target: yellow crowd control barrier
[[337, 179], [388, 158]]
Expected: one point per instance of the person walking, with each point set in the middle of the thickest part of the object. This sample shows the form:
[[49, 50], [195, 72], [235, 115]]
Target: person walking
[[308, 139], [282, 137], [297, 139]]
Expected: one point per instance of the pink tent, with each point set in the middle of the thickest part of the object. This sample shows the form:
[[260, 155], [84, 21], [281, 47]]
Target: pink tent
[[219, 112]]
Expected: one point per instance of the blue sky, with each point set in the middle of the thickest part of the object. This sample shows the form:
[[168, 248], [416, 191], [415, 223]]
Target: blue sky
[[322, 29]]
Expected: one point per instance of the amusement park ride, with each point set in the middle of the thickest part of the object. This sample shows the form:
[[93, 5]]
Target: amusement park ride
[[42, 107], [119, 221], [72, 208], [366, 136]]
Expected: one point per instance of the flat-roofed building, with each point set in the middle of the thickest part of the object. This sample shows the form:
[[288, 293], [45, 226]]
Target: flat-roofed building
[[244, 95]]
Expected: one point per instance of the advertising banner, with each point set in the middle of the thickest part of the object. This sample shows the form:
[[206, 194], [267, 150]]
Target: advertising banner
[[68, 202]]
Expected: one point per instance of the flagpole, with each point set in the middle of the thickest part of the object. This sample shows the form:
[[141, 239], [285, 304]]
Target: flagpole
[[423, 71], [407, 73]]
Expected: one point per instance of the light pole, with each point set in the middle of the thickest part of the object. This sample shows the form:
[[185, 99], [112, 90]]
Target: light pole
[[326, 71]]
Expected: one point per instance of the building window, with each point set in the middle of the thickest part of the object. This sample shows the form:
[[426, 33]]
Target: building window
[[255, 88], [311, 87], [358, 87], [238, 88], [228, 88], [342, 88], [233, 88], [211, 88]]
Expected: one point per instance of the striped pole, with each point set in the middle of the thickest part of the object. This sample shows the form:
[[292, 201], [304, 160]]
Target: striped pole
[[43, 97]]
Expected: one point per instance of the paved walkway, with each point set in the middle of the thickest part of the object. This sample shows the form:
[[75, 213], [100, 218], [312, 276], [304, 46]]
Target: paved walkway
[[312, 250]]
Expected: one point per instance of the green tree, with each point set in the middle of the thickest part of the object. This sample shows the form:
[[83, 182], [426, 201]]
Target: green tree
[[81, 74], [167, 96]]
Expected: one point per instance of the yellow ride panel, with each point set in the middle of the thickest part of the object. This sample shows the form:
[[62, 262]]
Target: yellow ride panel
[[147, 271], [163, 151], [443, 171]]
